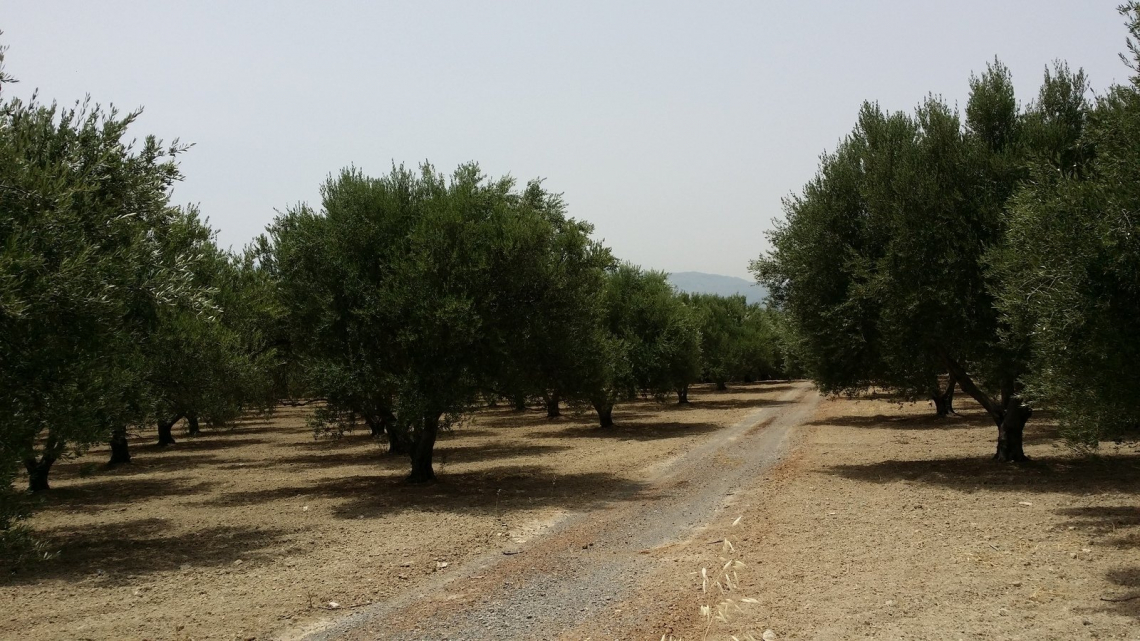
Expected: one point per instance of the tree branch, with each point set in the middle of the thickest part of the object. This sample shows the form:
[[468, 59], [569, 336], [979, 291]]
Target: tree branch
[[959, 374]]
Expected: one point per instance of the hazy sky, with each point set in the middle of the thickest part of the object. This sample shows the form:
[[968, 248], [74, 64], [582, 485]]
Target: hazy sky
[[675, 128]]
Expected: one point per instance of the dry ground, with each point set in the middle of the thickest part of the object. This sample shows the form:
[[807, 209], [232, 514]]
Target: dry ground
[[883, 523], [888, 523], [245, 533]]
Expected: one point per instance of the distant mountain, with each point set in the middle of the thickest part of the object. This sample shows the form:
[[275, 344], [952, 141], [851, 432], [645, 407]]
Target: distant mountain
[[701, 283]]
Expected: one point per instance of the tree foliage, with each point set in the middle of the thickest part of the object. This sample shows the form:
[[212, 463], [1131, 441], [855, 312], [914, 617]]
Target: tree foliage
[[411, 293], [1071, 270], [739, 341]]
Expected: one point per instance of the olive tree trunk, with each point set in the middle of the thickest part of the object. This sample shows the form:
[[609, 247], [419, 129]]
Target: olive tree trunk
[[944, 400], [683, 395], [120, 450], [605, 413], [552, 401], [192, 425], [423, 444], [38, 472], [166, 431], [1010, 415]]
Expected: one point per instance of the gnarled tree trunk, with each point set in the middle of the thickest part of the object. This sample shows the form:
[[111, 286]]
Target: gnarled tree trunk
[[944, 400], [398, 441], [38, 472], [422, 447], [605, 413], [1010, 415], [720, 386], [165, 431], [374, 427], [1011, 431], [683, 395], [192, 425], [552, 401], [520, 403], [120, 451]]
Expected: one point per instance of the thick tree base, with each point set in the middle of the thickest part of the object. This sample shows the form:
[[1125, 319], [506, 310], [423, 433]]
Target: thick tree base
[[192, 427], [721, 387], [1011, 457], [606, 419], [421, 478], [166, 432], [38, 473], [397, 447], [422, 446], [1011, 434], [120, 450]]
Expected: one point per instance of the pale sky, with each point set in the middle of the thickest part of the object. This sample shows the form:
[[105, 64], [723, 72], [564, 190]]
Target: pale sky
[[675, 128]]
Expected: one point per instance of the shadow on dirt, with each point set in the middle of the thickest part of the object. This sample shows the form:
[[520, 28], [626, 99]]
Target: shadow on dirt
[[95, 496], [634, 431], [1066, 474], [114, 554], [375, 454], [706, 403], [497, 490], [906, 422], [1127, 602], [209, 443]]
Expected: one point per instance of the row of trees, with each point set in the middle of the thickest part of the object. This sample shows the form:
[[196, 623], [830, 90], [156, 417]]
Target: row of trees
[[997, 249], [402, 303], [116, 309], [409, 298]]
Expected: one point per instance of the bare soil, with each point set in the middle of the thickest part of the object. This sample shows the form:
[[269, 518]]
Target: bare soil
[[260, 530], [889, 523], [879, 521]]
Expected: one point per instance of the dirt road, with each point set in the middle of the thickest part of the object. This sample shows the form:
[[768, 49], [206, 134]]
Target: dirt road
[[569, 579]]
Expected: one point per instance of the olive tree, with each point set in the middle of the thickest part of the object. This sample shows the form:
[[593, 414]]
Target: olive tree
[[884, 263], [648, 341], [1071, 272], [403, 293], [207, 361], [80, 286], [554, 309]]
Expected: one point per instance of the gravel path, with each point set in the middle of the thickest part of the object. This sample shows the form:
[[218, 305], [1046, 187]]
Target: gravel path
[[571, 578]]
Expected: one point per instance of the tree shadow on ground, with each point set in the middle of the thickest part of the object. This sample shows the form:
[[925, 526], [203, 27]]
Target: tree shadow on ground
[[909, 422], [112, 554], [708, 389], [1119, 523], [376, 455], [1065, 474], [1127, 603], [733, 404], [138, 465], [195, 444], [94, 496], [635, 431], [496, 490]]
